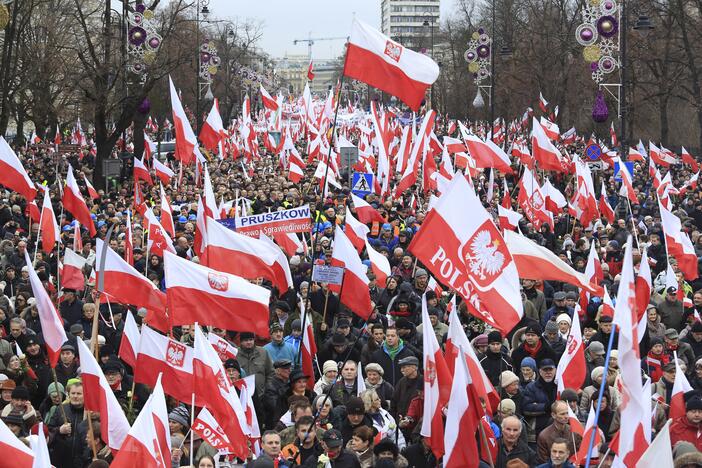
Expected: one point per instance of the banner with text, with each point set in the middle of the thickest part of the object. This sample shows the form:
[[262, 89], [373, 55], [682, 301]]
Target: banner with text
[[276, 222]]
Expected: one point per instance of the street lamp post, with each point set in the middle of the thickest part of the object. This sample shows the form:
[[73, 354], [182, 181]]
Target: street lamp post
[[426, 24], [205, 11]]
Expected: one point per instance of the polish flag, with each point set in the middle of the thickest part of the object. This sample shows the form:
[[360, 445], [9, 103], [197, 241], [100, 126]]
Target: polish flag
[[141, 172], [354, 294], [92, 193], [607, 305], [163, 172], [268, 101], [129, 345], [532, 200], [535, 261], [635, 155], [74, 203], [627, 189], [200, 241], [212, 132], [635, 408], [437, 386], [551, 129], [469, 255], [613, 135], [604, 206], [379, 264], [365, 212], [244, 256], [149, 147], [158, 240], [186, 142], [148, 443], [247, 388], [659, 156], [225, 350], [591, 429], [32, 211], [452, 145], [554, 199], [77, 239], [689, 160], [212, 385], [206, 426], [409, 176], [543, 150], [644, 287], [678, 243], [571, 369], [159, 354], [166, 214], [281, 261], [509, 219], [543, 103], [308, 350], [295, 173], [48, 225], [680, 386], [50, 320], [99, 397], [12, 173], [72, 276], [210, 200], [568, 138], [377, 60], [310, 71], [126, 285], [290, 243], [128, 244], [593, 273], [196, 293], [15, 454], [356, 231], [487, 154], [462, 419], [457, 345]]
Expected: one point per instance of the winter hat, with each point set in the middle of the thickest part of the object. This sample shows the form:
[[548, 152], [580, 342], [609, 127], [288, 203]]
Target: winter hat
[[507, 405], [596, 373], [372, 366], [330, 366], [508, 378], [55, 387], [551, 327], [529, 362], [564, 318], [20, 393], [180, 415], [494, 337]]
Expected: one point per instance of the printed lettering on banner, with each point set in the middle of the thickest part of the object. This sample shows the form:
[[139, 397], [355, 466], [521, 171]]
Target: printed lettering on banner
[[285, 221]]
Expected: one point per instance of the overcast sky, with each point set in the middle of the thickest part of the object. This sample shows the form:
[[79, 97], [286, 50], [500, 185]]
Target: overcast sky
[[286, 20]]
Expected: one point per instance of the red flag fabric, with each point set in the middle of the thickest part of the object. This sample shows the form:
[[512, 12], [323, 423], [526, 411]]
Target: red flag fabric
[[365, 212], [92, 193], [166, 214], [48, 225], [689, 160], [571, 369], [678, 243], [186, 142], [141, 172], [543, 150], [356, 231], [163, 172], [73, 276], [74, 203], [354, 294], [212, 131], [129, 345], [377, 60], [310, 71], [196, 293], [268, 101], [15, 454]]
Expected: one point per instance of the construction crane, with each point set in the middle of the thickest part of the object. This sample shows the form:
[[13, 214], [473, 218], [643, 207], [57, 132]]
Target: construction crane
[[311, 40]]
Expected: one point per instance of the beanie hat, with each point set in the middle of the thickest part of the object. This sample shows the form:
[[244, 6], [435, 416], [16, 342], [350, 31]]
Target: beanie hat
[[564, 318], [551, 327], [55, 387], [596, 373], [494, 337], [20, 393], [180, 415], [508, 378], [330, 366], [507, 405], [528, 362], [372, 366]]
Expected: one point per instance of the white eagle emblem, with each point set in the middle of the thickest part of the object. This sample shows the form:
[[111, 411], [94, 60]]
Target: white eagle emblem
[[218, 282], [175, 354], [484, 258], [537, 201], [393, 50]]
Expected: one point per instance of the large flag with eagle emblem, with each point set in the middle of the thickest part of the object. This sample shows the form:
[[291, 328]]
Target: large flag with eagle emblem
[[462, 247]]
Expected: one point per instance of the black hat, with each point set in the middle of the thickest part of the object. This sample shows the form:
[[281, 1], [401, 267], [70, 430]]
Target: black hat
[[20, 393], [282, 305], [332, 438], [431, 294], [342, 323], [355, 406], [654, 340], [547, 364], [31, 340], [68, 290], [338, 339], [112, 365], [568, 394], [433, 311], [404, 324], [243, 336], [409, 361], [534, 328], [386, 445], [693, 400], [15, 417], [696, 327], [494, 337], [232, 364], [605, 319], [298, 374], [282, 364], [68, 347], [559, 296]]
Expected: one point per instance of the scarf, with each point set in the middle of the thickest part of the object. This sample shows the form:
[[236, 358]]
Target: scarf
[[392, 352], [532, 350]]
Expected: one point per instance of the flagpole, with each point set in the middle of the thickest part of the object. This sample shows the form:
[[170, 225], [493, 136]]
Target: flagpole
[[600, 393], [636, 235], [36, 244]]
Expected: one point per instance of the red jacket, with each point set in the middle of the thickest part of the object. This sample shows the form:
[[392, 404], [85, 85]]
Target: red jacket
[[682, 429]]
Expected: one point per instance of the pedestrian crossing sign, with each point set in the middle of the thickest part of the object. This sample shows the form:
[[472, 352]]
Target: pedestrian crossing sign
[[362, 183]]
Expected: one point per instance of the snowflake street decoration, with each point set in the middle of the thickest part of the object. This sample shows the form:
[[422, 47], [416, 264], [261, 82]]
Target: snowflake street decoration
[[209, 61], [143, 42], [598, 34], [478, 56]]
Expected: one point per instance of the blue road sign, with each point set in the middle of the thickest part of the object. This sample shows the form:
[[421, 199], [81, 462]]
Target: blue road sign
[[593, 151], [629, 165], [362, 183]]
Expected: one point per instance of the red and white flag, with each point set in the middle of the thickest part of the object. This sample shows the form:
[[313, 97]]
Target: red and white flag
[[163, 172], [196, 293], [281, 261], [509, 219], [627, 189], [462, 419], [212, 132], [166, 214], [678, 244], [379, 264], [77, 239], [591, 429], [207, 427], [224, 349], [72, 275], [688, 159], [290, 243], [468, 254], [365, 212], [552, 131], [310, 71], [74, 203], [141, 172], [149, 147], [51, 323], [543, 150], [680, 386], [571, 369], [12, 173], [643, 287], [247, 388], [268, 101], [295, 173], [48, 225], [186, 142], [377, 60], [243, 256], [98, 397], [126, 285], [543, 103], [532, 200], [354, 294], [212, 385], [604, 206], [487, 154], [159, 354], [635, 407], [92, 193], [148, 443], [131, 337], [158, 240], [535, 261], [613, 135], [437, 387], [308, 350], [356, 231], [15, 454]]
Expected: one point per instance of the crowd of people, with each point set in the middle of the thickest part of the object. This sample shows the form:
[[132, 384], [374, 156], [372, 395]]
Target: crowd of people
[[366, 406]]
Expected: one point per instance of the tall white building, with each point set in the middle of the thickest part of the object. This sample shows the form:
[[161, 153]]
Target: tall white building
[[410, 22]]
